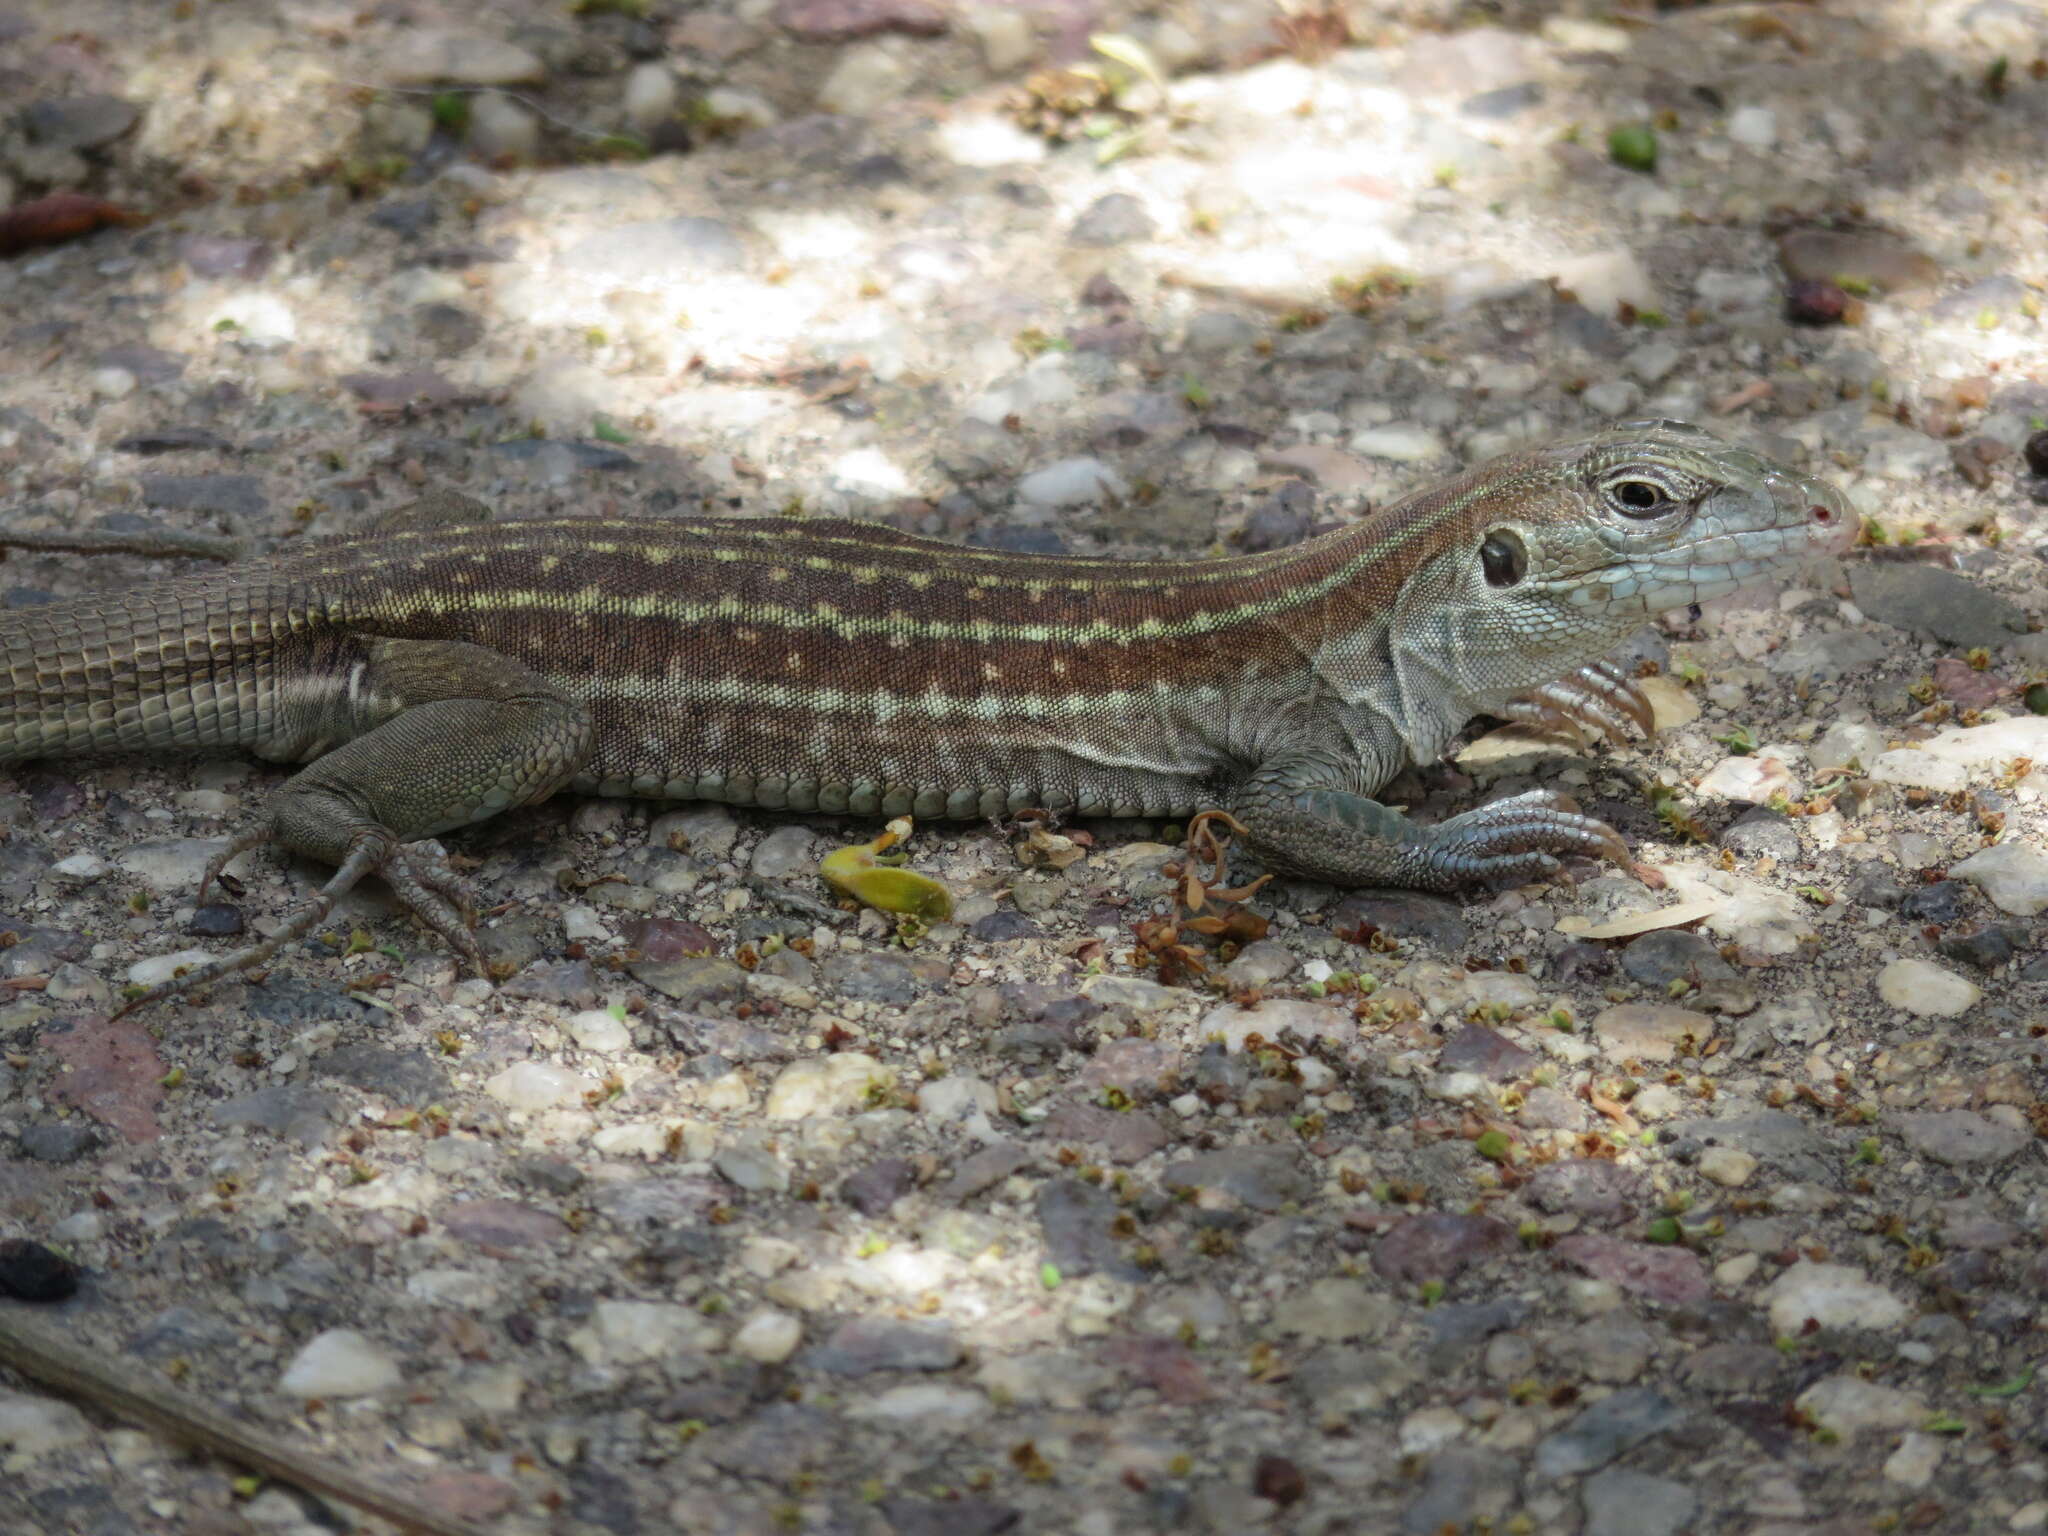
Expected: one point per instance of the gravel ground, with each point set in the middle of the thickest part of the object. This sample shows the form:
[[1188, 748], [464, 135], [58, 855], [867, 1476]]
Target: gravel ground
[[1573, 1208]]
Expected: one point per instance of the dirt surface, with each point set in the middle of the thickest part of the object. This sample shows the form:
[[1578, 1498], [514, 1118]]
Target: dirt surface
[[1534, 1212]]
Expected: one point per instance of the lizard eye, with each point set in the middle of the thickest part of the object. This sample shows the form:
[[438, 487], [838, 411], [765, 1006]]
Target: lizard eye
[[1638, 498], [1504, 558]]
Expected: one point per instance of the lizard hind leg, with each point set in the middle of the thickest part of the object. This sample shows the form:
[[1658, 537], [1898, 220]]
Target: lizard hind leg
[[474, 733], [432, 892]]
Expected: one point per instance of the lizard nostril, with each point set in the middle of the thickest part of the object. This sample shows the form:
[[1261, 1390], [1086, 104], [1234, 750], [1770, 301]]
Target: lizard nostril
[[1822, 514]]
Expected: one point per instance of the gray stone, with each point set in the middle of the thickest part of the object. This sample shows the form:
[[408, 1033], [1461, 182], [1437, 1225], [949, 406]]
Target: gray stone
[[752, 1167], [58, 1141], [693, 982], [1454, 1327], [1125, 1136], [79, 122], [1732, 1368], [1437, 1245], [1463, 1484], [877, 1186], [404, 1077], [1507, 102], [1772, 1136], [1076, 1218], [1115, 219], [1589, 1187], [1866, 255], [1960, 1138], [290, 1110], [991, 1165], [1610, 1349], [235, 496], [870, 976], [869, 1344], [1475, 1048], [783, 852], [1402, 915], [1953, 609], [1825, 656], [431, 57], [1624, 1503], [446, 330], [839, 21], [1216, 330], [1606, 1430], [501, 128], [1264, 1178], [659, 1205]]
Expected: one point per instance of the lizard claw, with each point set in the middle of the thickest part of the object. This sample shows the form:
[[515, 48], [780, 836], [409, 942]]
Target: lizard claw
[[1512, 839], [424, 885], [1599, 697]]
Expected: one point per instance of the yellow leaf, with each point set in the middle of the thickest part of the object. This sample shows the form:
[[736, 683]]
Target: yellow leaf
[[856, 872]]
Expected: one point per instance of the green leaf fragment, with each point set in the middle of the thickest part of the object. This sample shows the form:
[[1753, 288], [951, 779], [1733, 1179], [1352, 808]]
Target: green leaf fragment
[[1663, 1230], [1634, 146], [1494, 1146], [2012, 1388], [1049, 1275]]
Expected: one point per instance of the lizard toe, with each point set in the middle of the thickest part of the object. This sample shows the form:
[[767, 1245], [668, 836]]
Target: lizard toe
[[1517, 836], [438, 897]]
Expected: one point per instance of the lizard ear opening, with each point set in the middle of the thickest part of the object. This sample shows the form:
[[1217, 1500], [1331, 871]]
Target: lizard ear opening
[[1504, 558]]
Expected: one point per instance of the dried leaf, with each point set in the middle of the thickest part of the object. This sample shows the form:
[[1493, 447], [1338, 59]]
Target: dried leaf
[[60, 216], [1676, 916], [1120, 48]]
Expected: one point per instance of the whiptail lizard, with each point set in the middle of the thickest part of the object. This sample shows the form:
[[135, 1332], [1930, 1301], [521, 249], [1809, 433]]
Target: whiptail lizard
[[433, 677]]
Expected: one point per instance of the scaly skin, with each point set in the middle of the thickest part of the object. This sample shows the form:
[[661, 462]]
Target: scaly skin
[[434, 676]]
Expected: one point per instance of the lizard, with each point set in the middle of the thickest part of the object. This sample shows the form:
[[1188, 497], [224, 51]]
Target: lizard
[[433, 676]]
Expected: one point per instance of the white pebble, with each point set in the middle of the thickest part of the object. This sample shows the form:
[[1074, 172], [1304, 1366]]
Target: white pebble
[[769, 1336], [339, 1363]]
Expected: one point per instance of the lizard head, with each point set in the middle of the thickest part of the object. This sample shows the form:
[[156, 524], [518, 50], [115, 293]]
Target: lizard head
[[1541, 561], [1643, 517]]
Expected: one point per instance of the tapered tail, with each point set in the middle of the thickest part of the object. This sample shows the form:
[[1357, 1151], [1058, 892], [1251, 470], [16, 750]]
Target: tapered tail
[[171, 666]]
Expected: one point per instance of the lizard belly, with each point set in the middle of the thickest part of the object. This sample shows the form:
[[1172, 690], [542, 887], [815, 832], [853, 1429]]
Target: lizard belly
[[972, 756]]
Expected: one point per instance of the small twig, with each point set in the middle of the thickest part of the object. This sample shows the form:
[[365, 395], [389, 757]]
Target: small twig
[[45, 1356]]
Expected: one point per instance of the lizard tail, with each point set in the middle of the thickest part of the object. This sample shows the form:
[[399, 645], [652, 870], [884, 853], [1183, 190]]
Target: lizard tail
[[173, 666]]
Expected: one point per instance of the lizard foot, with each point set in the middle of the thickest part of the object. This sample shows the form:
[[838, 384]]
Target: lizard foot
[[426, 887], [1598, 698], [1512, 839]]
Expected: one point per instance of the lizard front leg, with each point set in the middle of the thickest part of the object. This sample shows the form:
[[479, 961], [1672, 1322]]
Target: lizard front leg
[[1298, 824], [1599, 697], [457, 733]]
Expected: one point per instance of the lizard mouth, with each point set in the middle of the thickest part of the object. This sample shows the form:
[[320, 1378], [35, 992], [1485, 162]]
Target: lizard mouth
[[1831, 520]]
